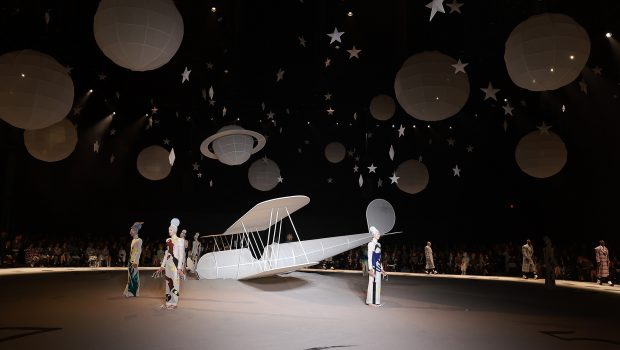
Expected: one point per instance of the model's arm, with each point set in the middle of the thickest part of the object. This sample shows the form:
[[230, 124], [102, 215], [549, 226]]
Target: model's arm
[[371, 267]]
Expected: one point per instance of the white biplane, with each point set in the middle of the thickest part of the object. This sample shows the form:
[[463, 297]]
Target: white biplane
[[241, 253]]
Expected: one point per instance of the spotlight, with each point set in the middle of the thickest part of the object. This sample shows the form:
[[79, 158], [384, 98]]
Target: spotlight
[[572, 57], [350, 14], [450, 128], [428, 126], [414, 126], [213, 9], [551, 69], [90, 91], [113, 113], [608, 35], [23, 75]]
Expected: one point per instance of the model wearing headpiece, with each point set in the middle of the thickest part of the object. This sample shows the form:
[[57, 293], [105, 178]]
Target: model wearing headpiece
[[528, 266], [375, 269], [173, 264], [195, 253], [430, 262], [133, 278], [602, 263]]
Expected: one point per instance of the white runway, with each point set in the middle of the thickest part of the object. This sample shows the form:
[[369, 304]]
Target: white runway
[[84, 309]]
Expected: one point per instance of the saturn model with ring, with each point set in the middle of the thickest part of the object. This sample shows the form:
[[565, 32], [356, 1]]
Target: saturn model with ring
[[232, 145]]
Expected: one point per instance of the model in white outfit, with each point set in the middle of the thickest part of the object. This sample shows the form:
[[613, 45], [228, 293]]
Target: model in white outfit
[[173, 264], [375, 269]]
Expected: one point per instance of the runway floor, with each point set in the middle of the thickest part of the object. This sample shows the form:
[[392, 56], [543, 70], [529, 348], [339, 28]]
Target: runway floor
[[85, 309]]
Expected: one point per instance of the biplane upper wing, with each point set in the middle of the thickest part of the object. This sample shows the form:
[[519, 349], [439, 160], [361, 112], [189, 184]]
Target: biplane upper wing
[[263, 214]]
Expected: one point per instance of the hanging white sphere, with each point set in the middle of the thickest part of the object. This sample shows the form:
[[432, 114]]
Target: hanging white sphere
[[335, 152], [153, 163], [35, 90], [53, 143], [263, 174], [413, 176], [546, 52], [427, 88], [382, 107], [232, 145], [139, 35], [540, 154]]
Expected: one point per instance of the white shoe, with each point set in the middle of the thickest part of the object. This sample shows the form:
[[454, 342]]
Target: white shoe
[[599, 282], [524, 277], [610, 283], [535, 277]]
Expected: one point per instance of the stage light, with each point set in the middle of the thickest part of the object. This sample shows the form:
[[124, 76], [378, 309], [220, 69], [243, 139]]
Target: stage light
[[608, 35], [350, 14], [23, 75], [551, 69], [572, 57], [428, 126], [213, 9], [414, 126], [450, 128], [113, 113], [90, 91]]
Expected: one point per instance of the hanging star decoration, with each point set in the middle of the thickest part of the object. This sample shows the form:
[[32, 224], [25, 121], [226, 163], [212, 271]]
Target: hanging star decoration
[[279, 75], [196, 166], [391, 152], [490, 92], [335, 36], [435, 6], [459, 67], [302, 41], [112, 132], [328, 62], [77, 110], [330, 180], [354, 53], [96, 147], [394, 178], [544, 128], [583, 86], [457, 171], [209, 65], [330, 111], [507, 109], [166, 141], [280, 179], [455, 6], [270, 115], [102, 76], [355, 169], [379, 182], [154, 110], [597, 70], [451, 141], [470, 149], [401, 131], [328, 96], [372, 168], [112, 158], [199, 175], [185, 75]]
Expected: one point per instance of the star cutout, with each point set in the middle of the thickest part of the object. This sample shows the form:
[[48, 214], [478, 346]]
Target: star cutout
[[196, 166], [490, 92], [185, 75], [330, 111], [270, 115], [372, 168], [199, 175], [355, 169], [280, 179], [302, 41], [96, 147], [401, 131], [209, 65], [457, 171], [335, 36], [459, 67], [563, 108], [154, 110], [507, 109], [328, 96], [112, 132], [112, 158], [354, 53], [394, 178], [68, 69], [77, 110], [455, 6], [328, 61], [583, 86], [379, 183], [279, 75], [330, 180], [451, 141], [166, 141], [470, 149], [435, 5], [544, 128], [102, 76], [597, 70]]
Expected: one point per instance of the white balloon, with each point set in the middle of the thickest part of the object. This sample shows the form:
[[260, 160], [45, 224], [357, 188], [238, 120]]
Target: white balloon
[[413, 176], [546, 52], [335, 152], [139, 35], [541, 155], [382, 107], [35, 90], [263, 174], [153, 163], [427, 88], [53, 143]]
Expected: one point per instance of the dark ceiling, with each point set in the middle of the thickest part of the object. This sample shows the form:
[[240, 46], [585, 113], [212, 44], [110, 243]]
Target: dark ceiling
[[248, 42]]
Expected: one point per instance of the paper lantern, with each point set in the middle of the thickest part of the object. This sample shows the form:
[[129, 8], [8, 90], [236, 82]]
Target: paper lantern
[[427, 88], [263, 174], [413, 176], [35, 90], [140, 35], [335, 152], [382, 107], [541, 154], [546, 52], [53, 143], [153, 163], [232, 145]]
